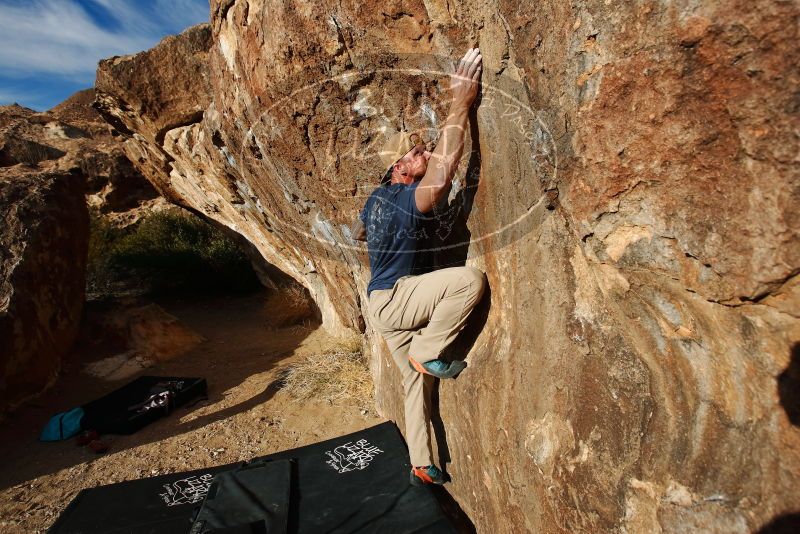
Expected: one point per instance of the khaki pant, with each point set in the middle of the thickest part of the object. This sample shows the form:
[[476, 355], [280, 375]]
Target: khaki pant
[[419, 317]]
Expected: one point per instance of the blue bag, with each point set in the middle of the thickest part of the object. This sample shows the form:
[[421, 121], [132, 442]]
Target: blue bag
[[63, 426]]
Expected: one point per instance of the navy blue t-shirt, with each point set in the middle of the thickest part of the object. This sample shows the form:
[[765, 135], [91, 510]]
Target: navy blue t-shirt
[[396, 231]]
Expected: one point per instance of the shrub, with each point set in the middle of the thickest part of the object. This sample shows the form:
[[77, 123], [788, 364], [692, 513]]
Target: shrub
[[168, 251], [101, 277]]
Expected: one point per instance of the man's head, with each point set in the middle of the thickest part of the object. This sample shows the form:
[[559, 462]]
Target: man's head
[[405, 158]]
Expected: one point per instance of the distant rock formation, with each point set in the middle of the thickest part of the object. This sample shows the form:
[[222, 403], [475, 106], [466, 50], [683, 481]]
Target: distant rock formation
[[73, 135], [631, 191]]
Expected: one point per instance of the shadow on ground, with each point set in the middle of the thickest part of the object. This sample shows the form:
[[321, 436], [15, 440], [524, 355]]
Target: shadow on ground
[[240, 343]]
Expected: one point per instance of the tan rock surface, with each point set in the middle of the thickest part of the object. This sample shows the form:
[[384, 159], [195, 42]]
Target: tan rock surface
[[635, 332], [44, 233]]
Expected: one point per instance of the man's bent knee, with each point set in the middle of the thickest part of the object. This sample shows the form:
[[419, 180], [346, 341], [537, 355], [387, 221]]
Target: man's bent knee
[[476, 280]]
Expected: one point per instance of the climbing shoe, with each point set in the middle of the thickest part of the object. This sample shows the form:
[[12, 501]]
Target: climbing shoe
[[427, 475], [437, 368]]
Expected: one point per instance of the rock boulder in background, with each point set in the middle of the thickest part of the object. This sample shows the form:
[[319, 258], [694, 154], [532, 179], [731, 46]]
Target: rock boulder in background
[[44, 234], [623, 373]]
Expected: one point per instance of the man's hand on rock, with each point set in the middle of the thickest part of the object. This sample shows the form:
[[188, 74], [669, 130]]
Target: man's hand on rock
[[464, 82]]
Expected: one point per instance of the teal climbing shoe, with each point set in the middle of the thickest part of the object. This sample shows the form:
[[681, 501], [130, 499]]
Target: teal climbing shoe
[[437, 368]]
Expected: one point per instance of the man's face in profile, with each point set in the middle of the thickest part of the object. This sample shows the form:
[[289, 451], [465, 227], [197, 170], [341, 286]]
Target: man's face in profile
[[415, 162]]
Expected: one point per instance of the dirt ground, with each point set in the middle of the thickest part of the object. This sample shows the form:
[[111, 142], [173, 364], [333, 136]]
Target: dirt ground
[[245, 415]]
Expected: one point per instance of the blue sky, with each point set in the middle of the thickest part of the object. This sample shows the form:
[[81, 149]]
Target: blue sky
[[50, 48]]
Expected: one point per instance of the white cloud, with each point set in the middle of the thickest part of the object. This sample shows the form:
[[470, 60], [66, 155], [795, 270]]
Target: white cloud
[[59, 37]]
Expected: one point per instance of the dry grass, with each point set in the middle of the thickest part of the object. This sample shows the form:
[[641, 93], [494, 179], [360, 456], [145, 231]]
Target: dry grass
[[334, 376], [349, 344], [293, 307], [295, 295], [305, 327]]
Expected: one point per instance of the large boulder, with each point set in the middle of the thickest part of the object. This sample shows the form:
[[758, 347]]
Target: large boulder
[[114, 186], [44, 235], [630, 189]]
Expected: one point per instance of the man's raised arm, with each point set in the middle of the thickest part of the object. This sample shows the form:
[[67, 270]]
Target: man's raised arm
[[445, 158]]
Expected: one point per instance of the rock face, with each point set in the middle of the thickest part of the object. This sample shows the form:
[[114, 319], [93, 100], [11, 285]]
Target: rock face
[[630, 190], [151, 334], [44, 234]]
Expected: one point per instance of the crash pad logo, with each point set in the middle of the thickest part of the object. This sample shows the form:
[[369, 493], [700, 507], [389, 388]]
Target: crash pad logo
[[352, 456], [188, 490]]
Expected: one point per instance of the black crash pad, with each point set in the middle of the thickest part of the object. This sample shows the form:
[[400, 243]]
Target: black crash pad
[[251, 499], [120, 412], [354, 483]]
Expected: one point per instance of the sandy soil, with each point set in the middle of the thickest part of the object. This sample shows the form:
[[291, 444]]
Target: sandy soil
[[246, 415]]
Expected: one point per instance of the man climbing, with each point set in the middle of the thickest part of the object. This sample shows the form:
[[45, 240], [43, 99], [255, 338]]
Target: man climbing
[[419, 313]]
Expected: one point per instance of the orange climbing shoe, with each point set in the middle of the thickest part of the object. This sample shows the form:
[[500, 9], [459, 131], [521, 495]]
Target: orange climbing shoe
[[429, 474], [437, 368]]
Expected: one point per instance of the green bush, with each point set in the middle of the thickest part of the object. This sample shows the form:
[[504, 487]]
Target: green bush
[[168, 251], [101, 278]]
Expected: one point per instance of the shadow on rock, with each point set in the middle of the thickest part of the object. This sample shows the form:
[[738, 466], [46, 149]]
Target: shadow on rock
[[457, 350], [789, 387], [450, 239], [448, 243], [453, 511], [783, 524]]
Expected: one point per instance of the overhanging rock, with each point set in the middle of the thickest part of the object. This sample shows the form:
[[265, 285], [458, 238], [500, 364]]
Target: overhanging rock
[[624, 373]]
